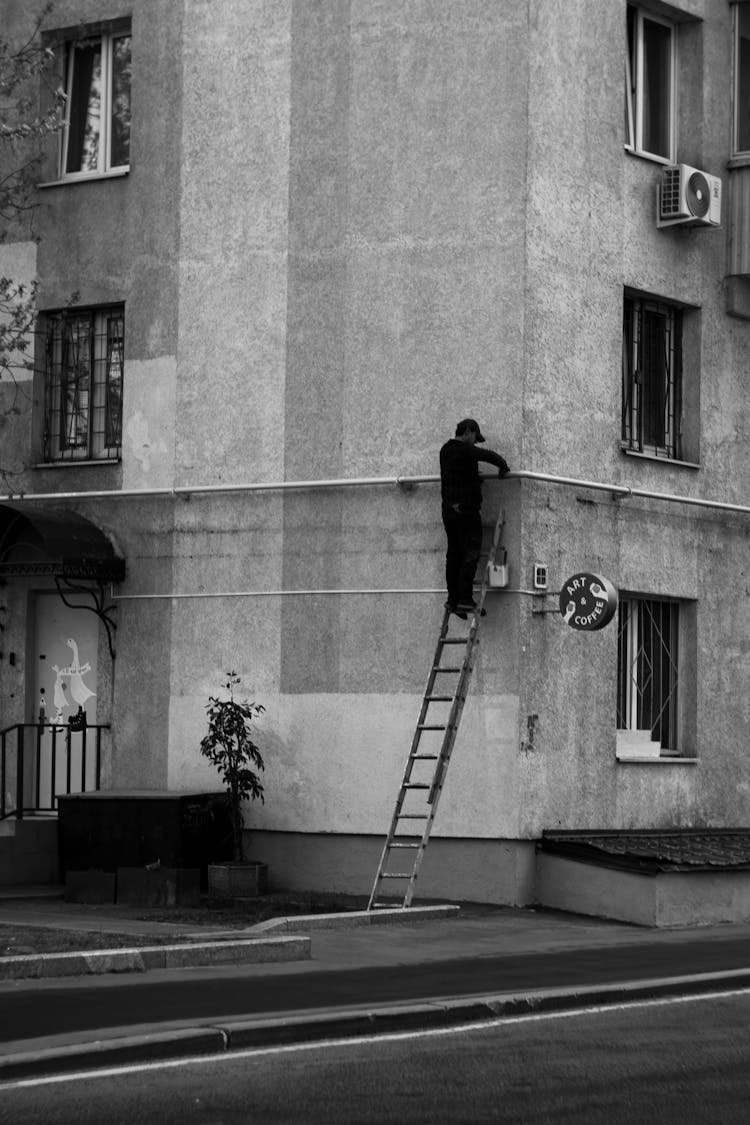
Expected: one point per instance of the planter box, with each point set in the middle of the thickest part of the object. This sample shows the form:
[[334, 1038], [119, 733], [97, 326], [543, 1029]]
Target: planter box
[[237, 880], [165, 886]]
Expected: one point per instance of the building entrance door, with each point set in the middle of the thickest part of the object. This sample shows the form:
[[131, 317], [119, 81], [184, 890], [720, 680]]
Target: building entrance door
[[65, 679]]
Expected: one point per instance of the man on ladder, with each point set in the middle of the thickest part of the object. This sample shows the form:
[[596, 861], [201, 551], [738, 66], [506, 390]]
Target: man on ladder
[[447, 683], [461, 490]]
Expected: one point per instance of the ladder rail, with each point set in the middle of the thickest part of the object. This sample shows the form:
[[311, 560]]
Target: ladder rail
[[442, 758]]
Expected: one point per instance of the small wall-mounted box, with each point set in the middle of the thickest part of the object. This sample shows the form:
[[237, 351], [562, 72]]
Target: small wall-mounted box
[[497, 572]]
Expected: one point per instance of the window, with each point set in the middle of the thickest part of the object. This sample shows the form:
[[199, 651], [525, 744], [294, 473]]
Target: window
[[83, 354], [96, 135], [650, 68], [647, 676], [651, 377], [742, 78]]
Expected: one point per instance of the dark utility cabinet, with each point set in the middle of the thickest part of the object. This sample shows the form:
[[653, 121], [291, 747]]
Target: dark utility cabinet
[[133, 828]]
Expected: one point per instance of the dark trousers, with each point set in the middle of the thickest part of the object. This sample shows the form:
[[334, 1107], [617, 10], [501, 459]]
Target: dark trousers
[[464, 531]]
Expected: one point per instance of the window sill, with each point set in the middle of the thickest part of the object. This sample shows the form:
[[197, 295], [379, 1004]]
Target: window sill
[[654, 760], [741, 160], [76, 464], [651, 157], [86, 178], [662, 460]]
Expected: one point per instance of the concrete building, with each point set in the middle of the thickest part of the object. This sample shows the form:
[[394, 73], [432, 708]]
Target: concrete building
[[304, 239]]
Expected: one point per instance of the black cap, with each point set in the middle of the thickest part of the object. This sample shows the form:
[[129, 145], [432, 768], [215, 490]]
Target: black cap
[[469, 424]]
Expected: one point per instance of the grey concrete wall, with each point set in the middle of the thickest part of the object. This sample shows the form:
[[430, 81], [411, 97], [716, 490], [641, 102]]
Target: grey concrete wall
[[346, 225]]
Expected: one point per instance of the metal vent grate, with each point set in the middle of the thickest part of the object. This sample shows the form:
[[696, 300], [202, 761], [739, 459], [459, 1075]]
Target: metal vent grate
[[670, 193]]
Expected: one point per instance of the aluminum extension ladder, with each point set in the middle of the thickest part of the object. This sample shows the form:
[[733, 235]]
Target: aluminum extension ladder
[[403, 846]]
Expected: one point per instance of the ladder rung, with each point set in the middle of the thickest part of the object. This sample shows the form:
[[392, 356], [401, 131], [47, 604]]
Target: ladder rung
[[412, 816], [424, 757], [395, 875], [431, 726], [415, 785], [438, 698], [395, 845], [439, 669]]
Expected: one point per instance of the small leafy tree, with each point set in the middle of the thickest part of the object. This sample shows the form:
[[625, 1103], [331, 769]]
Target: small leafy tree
[[24, 127], [229, 746]]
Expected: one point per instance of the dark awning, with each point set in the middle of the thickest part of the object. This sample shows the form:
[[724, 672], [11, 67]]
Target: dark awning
[[57, 542]]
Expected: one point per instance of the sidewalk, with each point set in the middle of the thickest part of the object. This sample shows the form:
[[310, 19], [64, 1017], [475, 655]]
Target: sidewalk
[[463, 964]]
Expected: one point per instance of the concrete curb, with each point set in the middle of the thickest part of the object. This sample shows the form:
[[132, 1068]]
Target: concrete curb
[[228, 947], [306, 1027], [139, 959], [350, 919]]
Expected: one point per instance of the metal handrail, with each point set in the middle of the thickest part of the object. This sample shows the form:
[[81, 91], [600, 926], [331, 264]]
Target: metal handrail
[[44, 772], [403, 482]]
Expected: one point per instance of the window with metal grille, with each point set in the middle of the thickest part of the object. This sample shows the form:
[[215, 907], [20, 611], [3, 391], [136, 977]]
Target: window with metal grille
[[650, 68], [95, 138], [83, 355], [741, 78], [647, 672], [651, 377]]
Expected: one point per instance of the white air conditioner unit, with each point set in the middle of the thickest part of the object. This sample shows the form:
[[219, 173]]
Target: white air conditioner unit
[[686, 196]]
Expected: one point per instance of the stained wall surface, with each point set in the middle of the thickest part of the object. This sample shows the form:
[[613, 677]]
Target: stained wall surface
[[345, 226]]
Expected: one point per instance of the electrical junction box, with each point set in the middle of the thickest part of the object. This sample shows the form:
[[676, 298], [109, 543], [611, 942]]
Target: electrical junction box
[[497, 572], [540, 576]]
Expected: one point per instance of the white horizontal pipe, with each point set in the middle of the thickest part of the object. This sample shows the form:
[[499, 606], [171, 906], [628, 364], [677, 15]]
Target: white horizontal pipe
[[368, 482], [208, 489], [309, 593]]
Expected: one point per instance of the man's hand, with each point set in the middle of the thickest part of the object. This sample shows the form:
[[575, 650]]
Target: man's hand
[[504, 468]]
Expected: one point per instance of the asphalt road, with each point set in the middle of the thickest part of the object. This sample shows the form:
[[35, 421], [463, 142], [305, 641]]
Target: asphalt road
[[666, 1063], [91, 1003]]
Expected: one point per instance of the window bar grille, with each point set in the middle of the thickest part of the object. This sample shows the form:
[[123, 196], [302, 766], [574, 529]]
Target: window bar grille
[[628, 373], [651, 372], [647, 689], [83, 376], [113, 383]]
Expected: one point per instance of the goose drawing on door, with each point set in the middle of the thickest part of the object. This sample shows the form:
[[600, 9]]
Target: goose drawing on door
[[75, 671]]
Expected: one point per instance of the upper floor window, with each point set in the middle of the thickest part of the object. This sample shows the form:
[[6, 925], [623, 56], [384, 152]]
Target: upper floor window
[[96, 135], [651, 376], [742, 78], [83, 360], [650, 68]]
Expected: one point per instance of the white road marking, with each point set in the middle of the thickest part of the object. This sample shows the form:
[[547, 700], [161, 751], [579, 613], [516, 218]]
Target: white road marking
[[357, 1040]]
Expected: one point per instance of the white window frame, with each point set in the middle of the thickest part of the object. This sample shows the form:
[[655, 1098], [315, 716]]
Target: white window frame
[[634, 96], [736, 150], [104, 166]]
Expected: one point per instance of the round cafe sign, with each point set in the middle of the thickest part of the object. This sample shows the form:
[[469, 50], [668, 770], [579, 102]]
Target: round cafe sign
[[587, 601]]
